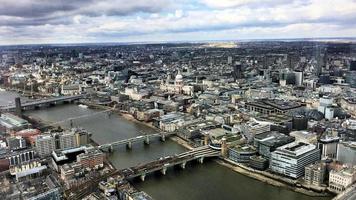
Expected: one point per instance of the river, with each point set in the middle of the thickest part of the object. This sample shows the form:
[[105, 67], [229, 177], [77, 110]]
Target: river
[[208, 181]]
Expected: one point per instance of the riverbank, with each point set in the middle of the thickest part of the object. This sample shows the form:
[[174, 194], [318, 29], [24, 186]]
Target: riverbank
[[252, 173]]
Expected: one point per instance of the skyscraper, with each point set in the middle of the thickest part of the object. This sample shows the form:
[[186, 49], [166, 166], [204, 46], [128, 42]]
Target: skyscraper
[[237, 71]]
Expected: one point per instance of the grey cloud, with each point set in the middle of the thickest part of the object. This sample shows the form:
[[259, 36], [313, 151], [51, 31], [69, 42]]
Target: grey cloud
[[39, 12]]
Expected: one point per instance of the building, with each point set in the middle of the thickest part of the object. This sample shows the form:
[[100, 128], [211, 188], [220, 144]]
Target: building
[[269, 141], [13, 122], [237, 71], [315, 174], [67, 140], [251, 129], [70, 139], [299, 122], [339, 180], [178, 86], [28, 169], [72, 89], [258, 162], [19, 157], [346, 152], [45, 144], [268, 106], [16, 143], [241, 154], [92, 158], [290, 160], [328, 146], [305, 136]]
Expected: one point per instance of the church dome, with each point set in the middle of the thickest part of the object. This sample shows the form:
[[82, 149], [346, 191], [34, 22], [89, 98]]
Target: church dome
[[179, 76]]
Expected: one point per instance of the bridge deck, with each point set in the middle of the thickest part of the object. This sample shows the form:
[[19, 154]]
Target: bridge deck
[[44, 101], [169, 161]]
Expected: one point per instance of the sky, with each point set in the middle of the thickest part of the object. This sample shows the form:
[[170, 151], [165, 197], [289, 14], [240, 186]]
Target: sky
[[92, 21]]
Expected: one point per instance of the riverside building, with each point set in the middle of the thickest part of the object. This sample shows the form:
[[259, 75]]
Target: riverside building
[[290, 160]]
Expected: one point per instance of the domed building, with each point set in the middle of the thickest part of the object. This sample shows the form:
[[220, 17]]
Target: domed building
[[177, 86]]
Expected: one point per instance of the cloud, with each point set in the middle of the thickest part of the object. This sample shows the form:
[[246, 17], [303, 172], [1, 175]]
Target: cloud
[[142, 20]]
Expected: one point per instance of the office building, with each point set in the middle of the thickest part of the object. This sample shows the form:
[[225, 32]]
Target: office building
[[20, 157], [92, 158], [67, 140], [45, 144], [290, 160], [269, 141], [16, 143], [241, 154], [328, 146]]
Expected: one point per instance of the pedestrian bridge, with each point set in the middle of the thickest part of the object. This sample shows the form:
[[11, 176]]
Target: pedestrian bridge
[[163, 163], [128, 142]]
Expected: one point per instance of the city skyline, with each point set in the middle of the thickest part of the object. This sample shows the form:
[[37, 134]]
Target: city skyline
[[46, 22]]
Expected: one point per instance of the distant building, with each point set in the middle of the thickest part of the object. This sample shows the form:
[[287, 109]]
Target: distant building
[[268, 106], [291, 159], [72, 89], [237, 71]]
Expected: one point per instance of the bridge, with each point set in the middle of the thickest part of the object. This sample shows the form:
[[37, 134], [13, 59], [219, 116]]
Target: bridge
[[43, 102], [163, 163], [128, 142]]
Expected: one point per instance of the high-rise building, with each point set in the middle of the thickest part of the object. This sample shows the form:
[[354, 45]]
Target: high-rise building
[[229, 60], [290, 160], [353, 65], [328, 147], [237, 71]]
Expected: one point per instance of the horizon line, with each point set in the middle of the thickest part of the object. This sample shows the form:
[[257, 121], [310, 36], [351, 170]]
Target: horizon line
[[309, 39]]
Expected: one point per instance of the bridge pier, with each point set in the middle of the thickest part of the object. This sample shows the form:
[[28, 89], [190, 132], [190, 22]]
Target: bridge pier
[[129, 145], [164, 170], [111, 149], [201, 160], [147, 140], [142, 177], [163, 138], [182, 165]]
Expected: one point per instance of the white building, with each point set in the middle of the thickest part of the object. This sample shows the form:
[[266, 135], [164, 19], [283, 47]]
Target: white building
[[290, 160], [45, 144], [178, 86], [341, 179]]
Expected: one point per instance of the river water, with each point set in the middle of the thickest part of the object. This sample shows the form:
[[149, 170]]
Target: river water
[[208, 181]]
